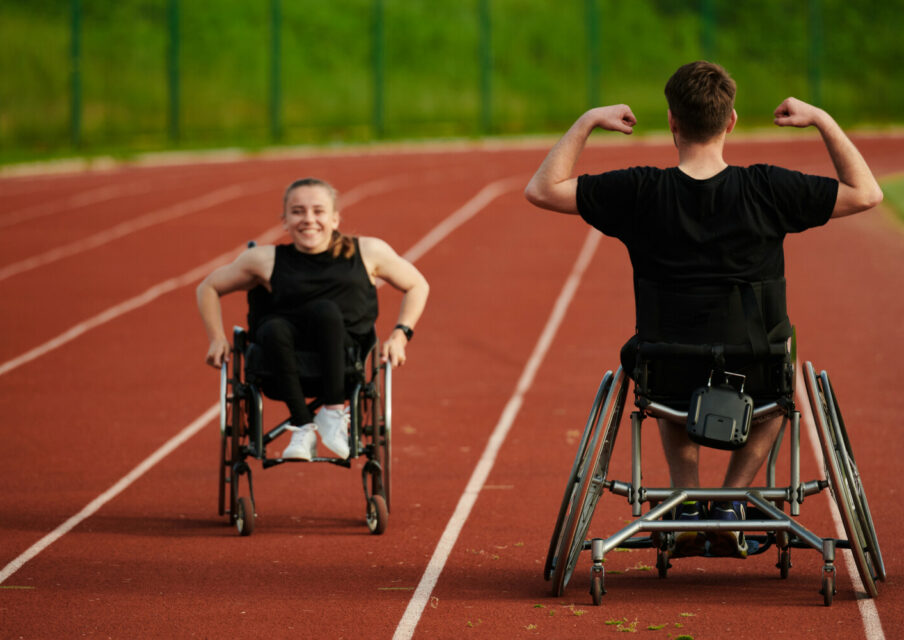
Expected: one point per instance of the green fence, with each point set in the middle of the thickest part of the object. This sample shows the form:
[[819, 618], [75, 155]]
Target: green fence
[[94, 75]]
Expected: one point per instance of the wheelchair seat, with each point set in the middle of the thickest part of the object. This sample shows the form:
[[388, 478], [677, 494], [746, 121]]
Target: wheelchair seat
[[668, 373], [258, 369]]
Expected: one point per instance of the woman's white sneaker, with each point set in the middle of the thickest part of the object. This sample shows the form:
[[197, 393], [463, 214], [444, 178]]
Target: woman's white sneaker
[[333, 427], [303, 445]]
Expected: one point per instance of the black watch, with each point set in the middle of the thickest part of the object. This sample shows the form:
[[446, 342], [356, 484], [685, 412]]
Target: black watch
[[408, 331]]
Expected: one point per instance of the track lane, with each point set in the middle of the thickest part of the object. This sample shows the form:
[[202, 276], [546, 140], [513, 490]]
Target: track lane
[[138, 520]]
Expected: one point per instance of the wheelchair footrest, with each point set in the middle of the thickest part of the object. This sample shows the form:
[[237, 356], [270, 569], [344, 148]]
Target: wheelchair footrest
[[273, 462]]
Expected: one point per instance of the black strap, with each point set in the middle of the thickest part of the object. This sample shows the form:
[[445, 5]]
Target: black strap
[[756, 326]]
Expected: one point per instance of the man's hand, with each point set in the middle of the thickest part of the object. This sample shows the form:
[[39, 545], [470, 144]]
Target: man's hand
[[797, 113], [616, 117]]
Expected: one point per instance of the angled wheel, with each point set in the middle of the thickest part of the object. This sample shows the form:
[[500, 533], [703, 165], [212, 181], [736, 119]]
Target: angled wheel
[[844, 481], [574, 477], [377, 514], [383, 436], [588, 485]]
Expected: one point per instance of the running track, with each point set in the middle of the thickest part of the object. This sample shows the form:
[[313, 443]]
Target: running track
[[108, 524]]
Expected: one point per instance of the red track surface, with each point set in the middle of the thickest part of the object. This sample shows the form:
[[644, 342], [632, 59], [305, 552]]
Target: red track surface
[[156, 560]]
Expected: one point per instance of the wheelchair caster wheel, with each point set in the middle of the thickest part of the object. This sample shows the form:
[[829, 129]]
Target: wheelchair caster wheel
[[596, 588], [244, 516], [828, 586], [784, 562], [377, 514], [662, 563]]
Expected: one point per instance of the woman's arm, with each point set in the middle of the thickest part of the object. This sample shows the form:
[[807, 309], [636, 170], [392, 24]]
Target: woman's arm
[[383, 262], [249, 269]]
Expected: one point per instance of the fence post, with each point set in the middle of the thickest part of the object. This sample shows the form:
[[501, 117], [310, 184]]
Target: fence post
[[591, 18], [75, 103], [486, 67], [276, 129], [377, 56], [707, 30], [173, 69], [815, 51]]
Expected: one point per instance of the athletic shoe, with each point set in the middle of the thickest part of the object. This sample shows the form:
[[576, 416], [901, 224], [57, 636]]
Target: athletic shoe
[[303, 445], [728, 543], [333, 427], [688, 543]]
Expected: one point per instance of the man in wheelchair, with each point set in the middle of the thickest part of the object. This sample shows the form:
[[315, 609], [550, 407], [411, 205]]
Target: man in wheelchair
[[705, 241], [315, 294]]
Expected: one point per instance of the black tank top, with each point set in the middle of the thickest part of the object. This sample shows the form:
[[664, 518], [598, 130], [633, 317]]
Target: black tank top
[[299, 278]]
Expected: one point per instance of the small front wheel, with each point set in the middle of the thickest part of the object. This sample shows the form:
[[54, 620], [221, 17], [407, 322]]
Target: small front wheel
[[828, 587], [244, 516], [596, 588], [377, 514], [784, 562]]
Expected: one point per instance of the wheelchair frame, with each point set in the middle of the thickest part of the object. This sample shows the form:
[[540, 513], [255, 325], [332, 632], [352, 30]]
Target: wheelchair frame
[[242, 436], [589, 478]]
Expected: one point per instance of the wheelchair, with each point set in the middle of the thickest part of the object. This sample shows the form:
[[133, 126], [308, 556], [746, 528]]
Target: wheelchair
[[242, 434], [589, 477]]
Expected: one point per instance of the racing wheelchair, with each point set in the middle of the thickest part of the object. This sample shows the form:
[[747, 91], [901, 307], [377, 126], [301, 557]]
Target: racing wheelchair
[[243, 435], [655, 396]]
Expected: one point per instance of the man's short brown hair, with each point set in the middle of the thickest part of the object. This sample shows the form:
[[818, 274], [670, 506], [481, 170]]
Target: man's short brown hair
[[701, 98]]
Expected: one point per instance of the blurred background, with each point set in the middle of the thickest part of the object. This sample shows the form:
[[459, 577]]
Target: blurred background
[[83, 77]]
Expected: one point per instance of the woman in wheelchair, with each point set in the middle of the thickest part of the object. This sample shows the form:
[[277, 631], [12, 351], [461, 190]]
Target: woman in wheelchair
[[315, 294]]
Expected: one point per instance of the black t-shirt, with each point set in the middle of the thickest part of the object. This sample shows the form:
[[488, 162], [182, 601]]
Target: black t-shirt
[[730, 226], [299, 278]]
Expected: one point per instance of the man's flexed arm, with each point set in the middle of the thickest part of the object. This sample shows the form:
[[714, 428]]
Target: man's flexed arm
[[857, 188], [553, 186]]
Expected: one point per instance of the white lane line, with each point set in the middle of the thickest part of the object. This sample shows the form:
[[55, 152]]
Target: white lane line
[[413, 612], [153, 218], [110, 493], [354, 195], [456, 219], [872, 625], [81, 199]]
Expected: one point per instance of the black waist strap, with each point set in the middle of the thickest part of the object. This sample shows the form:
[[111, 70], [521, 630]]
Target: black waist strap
[[750, 313]]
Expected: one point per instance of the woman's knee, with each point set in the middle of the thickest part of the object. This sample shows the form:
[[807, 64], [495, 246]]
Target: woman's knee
[[276, 331]]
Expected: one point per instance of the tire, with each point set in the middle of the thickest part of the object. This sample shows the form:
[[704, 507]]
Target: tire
[[244, 516], [574, 477], [596, 588], [784, 562], [590, 485], [844, 481], [377, 514]]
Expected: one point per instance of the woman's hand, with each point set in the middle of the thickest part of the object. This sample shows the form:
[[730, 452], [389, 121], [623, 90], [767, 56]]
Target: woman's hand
[[394, 349]]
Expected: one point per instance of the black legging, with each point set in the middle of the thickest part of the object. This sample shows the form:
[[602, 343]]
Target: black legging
[[319, 329]]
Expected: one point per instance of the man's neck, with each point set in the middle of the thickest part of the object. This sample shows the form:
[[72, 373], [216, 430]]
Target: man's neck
[[702, 160]]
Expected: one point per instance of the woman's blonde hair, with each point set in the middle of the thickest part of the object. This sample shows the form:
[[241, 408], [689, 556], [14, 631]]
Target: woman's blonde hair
[[340, 244]]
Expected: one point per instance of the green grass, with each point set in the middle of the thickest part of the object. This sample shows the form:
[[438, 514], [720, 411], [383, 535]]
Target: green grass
[[539, 78], [893, 188]]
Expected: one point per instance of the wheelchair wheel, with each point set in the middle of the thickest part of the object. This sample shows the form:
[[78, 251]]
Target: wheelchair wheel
[[844, 481], [590, 484], [377, 514], [573, 478], [244, 516], [383, 435]]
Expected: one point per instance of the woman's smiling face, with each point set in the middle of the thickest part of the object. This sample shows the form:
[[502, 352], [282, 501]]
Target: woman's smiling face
[[310, 217]]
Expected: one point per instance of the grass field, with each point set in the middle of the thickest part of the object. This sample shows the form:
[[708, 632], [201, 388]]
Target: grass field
[[448, 68]]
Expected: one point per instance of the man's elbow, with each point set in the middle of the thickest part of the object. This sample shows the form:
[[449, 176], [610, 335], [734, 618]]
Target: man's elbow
[[875, 198], [548, 199], [534, 195]]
